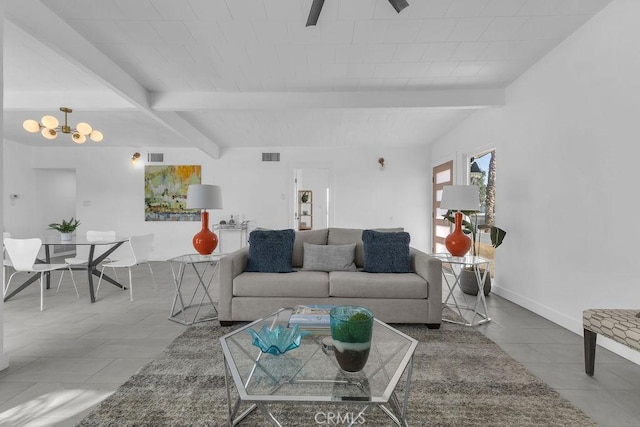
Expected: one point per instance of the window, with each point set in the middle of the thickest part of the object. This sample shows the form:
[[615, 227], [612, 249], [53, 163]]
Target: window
[[482, 172]]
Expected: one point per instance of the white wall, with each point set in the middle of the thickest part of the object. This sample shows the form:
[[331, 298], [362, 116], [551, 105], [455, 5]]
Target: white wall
[[567, 154], [110, 191], [4, 359]]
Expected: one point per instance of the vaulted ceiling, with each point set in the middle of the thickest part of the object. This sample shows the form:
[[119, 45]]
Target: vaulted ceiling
[[243, 73]]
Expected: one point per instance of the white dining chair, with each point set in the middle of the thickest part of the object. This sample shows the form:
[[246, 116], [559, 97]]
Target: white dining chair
[[6, 262], [140, 248], [23, 254], [82, 251]]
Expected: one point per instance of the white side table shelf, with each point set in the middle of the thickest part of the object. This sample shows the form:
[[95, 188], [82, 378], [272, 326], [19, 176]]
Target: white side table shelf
[[205, 268], [241, 229], [454, 265]]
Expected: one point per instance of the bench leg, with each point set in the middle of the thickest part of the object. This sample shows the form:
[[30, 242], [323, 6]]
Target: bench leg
[[589, 351]]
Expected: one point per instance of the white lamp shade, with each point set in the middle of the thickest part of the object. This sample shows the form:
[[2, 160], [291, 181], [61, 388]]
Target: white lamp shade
[[31, 126], [201, 196], [460, 198], [50, 122], [96, 136], [84, 128], [49, 133], [78, 138]]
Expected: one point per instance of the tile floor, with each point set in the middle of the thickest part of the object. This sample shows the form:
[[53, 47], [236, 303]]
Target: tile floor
[[65, 360]]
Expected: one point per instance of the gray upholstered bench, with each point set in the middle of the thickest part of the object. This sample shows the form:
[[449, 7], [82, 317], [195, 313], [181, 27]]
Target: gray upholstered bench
[[620, 325]]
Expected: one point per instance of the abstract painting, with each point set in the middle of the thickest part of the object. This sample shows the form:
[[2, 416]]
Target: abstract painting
[[165, 192]]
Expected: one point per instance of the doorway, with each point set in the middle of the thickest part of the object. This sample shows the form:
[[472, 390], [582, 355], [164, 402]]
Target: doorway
[[314, 212], [442, 175], [482, 172]]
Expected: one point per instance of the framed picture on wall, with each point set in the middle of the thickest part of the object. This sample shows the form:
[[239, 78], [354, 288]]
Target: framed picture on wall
[[165, 192]]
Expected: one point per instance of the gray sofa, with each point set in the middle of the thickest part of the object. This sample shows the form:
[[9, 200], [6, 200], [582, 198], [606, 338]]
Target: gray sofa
[[393, 297]]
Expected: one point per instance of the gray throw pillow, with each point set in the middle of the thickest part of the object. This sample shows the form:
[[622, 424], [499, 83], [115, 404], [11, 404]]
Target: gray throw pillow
[[329, 257]]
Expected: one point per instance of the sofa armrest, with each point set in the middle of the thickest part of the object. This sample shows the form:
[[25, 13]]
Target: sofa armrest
[[230, 266], [430, 269]]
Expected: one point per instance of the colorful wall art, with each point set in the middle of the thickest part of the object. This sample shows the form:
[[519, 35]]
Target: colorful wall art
[[165, 192]]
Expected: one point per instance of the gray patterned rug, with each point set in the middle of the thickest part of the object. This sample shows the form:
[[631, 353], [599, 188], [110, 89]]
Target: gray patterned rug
[[460, 378]]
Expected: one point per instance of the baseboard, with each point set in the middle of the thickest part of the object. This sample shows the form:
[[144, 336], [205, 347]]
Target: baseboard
[[567, 322]]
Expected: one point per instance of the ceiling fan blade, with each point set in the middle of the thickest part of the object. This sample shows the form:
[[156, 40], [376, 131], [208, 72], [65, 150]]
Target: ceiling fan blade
[[314, 13], [398, 5]]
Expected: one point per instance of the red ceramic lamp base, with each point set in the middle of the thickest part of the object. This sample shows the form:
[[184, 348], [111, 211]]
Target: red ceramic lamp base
[[458, 243], [205, 241]]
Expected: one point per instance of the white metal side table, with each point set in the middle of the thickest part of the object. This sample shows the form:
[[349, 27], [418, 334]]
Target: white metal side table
[[454, 265], [205, 268]]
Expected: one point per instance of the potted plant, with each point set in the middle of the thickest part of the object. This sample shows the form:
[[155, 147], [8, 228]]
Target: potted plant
[[65, 228], [468, 283]]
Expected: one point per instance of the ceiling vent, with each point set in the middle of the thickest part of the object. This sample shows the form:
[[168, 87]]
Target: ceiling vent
[[270, 157], [155, 157]]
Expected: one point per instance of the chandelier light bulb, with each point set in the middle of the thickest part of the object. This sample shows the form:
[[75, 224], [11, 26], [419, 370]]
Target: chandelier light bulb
[[49, 133], [50, 122], [31, 126], [78, 138], [96, 136], [84, 128]]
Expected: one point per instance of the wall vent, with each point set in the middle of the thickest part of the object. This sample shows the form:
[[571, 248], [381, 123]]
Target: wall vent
[[270, 157], [155, 157]]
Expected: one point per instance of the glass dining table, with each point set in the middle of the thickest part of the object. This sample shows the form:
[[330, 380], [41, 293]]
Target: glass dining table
[[91, 266]]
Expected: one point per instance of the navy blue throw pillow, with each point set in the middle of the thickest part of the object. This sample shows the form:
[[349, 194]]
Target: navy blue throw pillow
[[386, 252], [270, 251]]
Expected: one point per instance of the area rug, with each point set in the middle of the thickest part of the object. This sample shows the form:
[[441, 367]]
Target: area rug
[[460, 378]]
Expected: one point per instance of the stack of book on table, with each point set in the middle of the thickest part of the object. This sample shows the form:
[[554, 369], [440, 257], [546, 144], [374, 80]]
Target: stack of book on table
[[312, 317]]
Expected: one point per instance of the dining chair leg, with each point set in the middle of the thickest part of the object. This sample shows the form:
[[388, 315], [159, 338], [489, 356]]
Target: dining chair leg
[[60, 281], [5, 289], [155, 286], [41, 292], [73, 281], [99, 281], [130, 285]]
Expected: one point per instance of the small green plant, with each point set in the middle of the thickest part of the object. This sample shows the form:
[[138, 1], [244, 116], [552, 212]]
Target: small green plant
[[356, 330], [66, 226], [360, 327]]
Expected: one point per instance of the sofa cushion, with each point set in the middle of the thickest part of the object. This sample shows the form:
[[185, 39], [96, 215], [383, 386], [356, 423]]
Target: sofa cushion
[[377, 285], [329, 257], [344, 236], [270, 251], [299, 284], [386, 252], [316, 237]]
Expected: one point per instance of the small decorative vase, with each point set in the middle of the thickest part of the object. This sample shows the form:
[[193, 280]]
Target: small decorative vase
[[206, 241], [65, 237], [458, 243], [351, 331]]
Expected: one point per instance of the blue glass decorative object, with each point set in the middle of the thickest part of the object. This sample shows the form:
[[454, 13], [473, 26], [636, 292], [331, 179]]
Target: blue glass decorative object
[[279, 340]]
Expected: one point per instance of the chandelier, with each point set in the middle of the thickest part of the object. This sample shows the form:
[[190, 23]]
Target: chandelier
[[50, 127]]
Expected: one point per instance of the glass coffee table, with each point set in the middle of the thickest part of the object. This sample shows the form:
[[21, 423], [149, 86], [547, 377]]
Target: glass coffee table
[[310, 374]]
